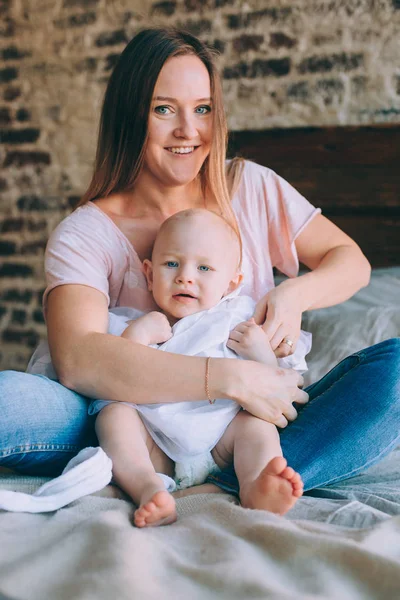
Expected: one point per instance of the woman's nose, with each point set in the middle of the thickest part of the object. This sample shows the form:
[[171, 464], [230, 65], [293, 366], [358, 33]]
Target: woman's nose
[[186, 127]]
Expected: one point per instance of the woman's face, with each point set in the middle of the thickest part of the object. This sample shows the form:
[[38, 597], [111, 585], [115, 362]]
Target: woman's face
[[180, 122]]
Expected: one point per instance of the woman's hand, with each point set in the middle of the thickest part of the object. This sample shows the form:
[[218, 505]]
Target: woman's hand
[[266, 392], [279, 312]]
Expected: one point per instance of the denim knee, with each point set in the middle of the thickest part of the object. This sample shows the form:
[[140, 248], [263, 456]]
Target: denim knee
[[40, 414], [382, 376]]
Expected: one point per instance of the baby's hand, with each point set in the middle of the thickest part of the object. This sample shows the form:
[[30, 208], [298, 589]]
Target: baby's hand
[[152, 328], [250, 341]]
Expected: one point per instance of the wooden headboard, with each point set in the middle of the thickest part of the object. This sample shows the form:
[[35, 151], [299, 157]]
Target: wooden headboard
[[351, 173]]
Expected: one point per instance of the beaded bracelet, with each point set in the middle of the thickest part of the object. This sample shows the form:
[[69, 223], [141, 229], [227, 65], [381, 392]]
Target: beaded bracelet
[[211, 401]]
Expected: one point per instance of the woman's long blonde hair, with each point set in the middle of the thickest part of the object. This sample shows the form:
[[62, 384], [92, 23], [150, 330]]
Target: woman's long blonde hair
[[123, 125]]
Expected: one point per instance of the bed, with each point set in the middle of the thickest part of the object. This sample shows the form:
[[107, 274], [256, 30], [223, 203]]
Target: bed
[[342, 541]]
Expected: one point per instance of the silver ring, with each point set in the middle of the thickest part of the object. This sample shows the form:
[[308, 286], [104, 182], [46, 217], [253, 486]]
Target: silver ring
[[288, 341]]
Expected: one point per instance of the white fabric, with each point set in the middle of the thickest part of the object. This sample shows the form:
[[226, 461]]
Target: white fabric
[[88, 472], [186, 429]]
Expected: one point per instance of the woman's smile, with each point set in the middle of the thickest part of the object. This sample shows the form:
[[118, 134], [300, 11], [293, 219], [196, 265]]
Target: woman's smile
[[182, 150]]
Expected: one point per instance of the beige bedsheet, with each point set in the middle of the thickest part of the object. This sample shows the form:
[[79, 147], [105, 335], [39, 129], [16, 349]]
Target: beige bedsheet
[[341, 542], [215, 550]]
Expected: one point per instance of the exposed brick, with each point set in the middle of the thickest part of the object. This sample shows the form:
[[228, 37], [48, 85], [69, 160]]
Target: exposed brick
[[34, 226], [7, 248], [298, 91], [111, 61], [330, 89], [397, 84], [78, 20], [396, 4], [31, 203], [258, 68], [246, 91], [21, 158], [33, 248], [163, 8], [73, 201], [247, 42], [19, 136], [195, 5], [16, 295], [7, 27], [37, 316], [13, 53], [15, 270], [29, 338], [3, 185], [3, 311], [23, 114], [359, 84], [326, 63], [251, 18], [11, 225], [5, 7], [88, 64], [11, 93], [218, 45], [82, 3], [222, 3], [40, 295], [111, 38], [197, 27], [281, 40], [18, 316], [8, 74], [5, 115]]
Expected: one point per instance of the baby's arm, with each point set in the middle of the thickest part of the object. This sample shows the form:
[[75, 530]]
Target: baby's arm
[[152, 328], [250, 341]]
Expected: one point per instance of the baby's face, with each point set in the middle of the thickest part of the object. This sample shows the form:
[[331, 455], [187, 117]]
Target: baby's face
[[195, 263]]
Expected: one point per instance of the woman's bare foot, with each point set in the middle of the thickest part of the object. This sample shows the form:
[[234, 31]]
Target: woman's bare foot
[[276, 489], [158, 509]]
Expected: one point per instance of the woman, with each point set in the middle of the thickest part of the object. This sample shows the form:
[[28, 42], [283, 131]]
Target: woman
[[161, 150]]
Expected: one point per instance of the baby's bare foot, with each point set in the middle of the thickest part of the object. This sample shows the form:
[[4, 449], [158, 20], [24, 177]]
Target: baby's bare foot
[[159, 509], [276, 489]]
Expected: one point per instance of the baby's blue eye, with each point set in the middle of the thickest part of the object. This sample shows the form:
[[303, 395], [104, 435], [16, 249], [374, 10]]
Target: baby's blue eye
[[172, 264], [203, 268]]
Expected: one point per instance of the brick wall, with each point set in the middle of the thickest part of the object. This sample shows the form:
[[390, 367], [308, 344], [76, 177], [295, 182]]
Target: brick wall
[[284, 64]]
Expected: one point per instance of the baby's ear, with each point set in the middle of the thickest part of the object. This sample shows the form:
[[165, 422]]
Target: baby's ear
[[148, 273], [234, 284]]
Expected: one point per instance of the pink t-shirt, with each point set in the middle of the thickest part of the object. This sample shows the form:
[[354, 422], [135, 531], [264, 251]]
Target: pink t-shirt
[[87, 247]]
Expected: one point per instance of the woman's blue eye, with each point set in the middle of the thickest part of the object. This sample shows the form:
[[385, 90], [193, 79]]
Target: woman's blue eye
[[204, 109], [203, 268], [172, 264], [161, 110]]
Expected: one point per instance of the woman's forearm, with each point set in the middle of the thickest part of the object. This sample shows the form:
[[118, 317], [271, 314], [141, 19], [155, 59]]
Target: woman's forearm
[[340, 274], [112, 368]]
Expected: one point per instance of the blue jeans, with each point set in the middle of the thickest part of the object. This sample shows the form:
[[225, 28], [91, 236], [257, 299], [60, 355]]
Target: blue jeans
[[350, 423]]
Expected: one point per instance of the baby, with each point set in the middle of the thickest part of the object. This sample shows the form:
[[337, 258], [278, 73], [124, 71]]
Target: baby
[[194, 276]]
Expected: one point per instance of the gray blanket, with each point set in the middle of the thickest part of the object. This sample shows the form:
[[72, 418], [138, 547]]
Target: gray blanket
[[341, 542]]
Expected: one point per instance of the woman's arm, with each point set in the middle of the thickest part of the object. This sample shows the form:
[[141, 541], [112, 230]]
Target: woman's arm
[[338, 270], [338, 267], [99, 365]]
